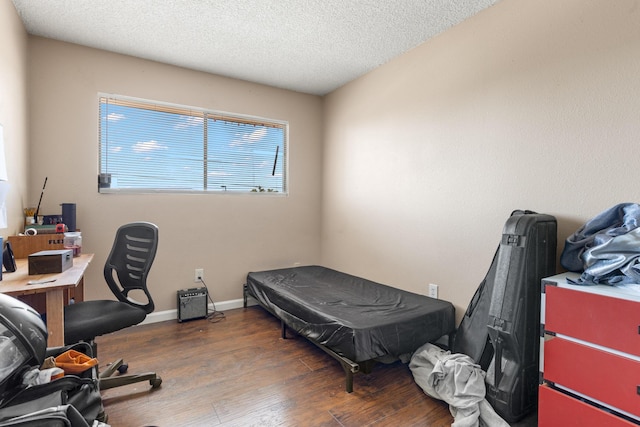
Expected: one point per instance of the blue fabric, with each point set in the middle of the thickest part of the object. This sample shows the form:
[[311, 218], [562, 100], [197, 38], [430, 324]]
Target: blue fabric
[[607, 248]]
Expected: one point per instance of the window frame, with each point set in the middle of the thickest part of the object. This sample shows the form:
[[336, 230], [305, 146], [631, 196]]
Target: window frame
[[205, 114]]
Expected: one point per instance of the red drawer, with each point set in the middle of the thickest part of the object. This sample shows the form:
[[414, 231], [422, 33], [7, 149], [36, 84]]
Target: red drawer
[[603, 320], [602, 376], [558, 409]]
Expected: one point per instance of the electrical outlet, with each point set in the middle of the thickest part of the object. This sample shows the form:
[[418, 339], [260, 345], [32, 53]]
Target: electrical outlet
[[433, 290], [199, 275]]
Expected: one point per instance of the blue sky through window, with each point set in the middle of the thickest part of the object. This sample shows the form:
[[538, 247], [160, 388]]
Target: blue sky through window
[[171, 148]]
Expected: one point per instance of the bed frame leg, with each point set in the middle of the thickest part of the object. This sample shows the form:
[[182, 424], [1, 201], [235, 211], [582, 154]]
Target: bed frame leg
[[244, 294], [452, 336], [348, 380], [350, 368], [283, 327]]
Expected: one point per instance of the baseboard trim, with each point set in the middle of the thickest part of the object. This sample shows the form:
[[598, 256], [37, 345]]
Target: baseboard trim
[[161, 316]]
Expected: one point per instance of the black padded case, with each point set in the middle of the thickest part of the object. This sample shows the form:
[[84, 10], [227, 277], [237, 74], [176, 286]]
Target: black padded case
[[500, 329], [527, 254], [47, 404], [472, 335]]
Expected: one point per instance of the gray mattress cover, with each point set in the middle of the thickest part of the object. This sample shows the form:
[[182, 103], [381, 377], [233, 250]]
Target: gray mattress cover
[[356, 318]]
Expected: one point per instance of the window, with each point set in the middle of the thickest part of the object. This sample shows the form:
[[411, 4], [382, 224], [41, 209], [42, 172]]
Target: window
[[149, 146]]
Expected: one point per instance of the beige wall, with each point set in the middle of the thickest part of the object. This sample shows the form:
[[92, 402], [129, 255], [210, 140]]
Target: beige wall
[[13, 111], [409, 171], [529, 105], [227, 235]]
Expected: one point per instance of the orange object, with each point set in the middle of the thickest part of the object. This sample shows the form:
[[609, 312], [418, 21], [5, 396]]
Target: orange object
[[55, 375], [74, 362]]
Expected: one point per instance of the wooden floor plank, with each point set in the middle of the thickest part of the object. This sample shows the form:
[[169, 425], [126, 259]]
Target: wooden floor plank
[[240, 372]]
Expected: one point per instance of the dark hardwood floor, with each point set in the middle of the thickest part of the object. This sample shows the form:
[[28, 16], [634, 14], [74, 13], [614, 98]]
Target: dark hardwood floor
[[239, 372]]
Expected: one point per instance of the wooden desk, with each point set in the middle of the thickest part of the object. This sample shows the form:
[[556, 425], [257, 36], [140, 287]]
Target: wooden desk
[[15, 284]]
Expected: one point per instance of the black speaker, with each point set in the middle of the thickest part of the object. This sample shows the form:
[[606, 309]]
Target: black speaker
[[8, 260], [69, 215], [192, 304]]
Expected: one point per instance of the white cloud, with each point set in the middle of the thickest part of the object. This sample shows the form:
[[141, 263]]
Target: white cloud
[[189, 121], [144, 146], [218, 173], [250, 138], [257, 134], [114, 117]]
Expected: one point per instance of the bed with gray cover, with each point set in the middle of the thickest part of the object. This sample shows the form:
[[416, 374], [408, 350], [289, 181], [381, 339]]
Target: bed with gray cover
[[355, 320]]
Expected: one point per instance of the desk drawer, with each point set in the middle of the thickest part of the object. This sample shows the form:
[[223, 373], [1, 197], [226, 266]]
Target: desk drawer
[[603, 376], [559, 409], [603, 320]]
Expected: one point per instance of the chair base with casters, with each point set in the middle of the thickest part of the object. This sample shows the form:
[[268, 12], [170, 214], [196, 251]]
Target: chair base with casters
[[82, 316], [107, 381]]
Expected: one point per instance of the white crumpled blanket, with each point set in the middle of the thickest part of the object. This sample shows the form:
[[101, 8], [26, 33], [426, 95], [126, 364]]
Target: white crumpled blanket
[[457, 380]]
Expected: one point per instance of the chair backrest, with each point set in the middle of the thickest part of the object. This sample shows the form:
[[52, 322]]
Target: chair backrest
[[129, 262]]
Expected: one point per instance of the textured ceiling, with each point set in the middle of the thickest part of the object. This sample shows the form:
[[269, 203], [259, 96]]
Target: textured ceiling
[[310, 46]]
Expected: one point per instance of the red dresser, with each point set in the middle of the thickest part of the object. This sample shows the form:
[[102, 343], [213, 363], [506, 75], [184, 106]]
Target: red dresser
[[590, 354]]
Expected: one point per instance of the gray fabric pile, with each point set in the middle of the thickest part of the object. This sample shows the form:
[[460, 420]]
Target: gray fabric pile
[[606, 249], [458, 381]]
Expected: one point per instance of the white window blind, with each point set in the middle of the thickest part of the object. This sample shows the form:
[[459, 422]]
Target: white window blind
[[149, 146]]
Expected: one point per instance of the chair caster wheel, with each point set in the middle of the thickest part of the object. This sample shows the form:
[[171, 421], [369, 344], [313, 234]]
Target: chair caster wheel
[[155, 383], [123, 368]]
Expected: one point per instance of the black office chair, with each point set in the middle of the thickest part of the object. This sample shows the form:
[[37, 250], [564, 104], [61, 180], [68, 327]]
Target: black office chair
[[125, 271]]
